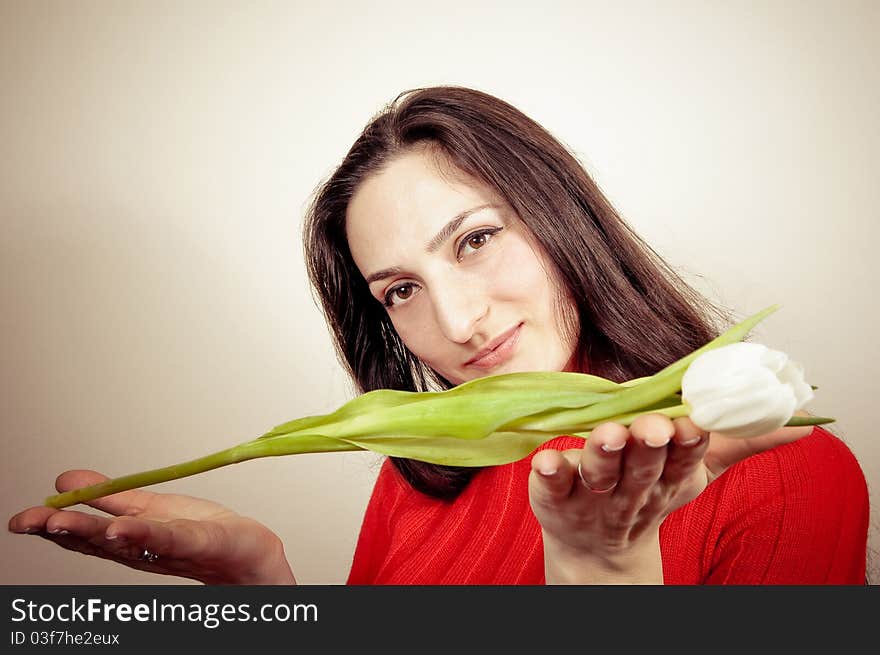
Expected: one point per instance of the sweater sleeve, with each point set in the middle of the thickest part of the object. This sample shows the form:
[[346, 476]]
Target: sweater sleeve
[[374, 539], [796, 514]]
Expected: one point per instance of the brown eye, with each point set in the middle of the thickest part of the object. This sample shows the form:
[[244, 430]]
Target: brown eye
[[477, 240], [401, 293]]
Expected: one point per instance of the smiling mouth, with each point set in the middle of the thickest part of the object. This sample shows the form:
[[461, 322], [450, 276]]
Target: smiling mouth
[[498, 352]]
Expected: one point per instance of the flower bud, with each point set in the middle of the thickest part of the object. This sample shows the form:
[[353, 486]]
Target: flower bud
[[744, 390]]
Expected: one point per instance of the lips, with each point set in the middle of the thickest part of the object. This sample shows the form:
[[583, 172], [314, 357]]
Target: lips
[[496, 351]]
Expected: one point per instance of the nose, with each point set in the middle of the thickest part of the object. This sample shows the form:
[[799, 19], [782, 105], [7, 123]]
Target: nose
[[459, 308]]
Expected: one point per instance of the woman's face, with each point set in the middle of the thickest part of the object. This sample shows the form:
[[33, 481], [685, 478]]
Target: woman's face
[[463, 282]]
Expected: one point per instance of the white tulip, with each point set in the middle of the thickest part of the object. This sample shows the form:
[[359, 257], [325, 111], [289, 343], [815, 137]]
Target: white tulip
[[744, 390]]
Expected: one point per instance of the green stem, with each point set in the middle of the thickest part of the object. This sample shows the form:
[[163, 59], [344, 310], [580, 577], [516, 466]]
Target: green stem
[[685, 410], [240, 453], [808, 420], [678, 411]]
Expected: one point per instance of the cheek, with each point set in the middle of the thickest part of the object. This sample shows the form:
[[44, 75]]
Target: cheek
[[420, 336], [518, 275], [529, 281]]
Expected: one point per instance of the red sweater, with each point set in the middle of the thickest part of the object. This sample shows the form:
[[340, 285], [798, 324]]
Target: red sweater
[[796, 514]]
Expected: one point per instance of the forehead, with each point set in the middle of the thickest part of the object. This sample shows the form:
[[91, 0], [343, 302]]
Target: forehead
[[406, 204]]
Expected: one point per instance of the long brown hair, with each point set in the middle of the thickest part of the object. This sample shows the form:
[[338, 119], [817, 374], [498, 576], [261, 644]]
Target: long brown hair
[[635, 315]]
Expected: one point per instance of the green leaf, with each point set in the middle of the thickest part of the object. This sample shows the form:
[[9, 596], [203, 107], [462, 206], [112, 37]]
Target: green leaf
[[482, 422], [471, 410]]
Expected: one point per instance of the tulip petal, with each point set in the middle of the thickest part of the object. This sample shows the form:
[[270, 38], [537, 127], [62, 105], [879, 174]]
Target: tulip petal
[[744, 390]]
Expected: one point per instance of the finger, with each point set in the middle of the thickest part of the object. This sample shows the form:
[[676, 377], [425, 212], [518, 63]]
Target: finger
[[31, 520], [119, 504], [783, 435], [601, 456], [551, 477], [78, 545], [686, 451], [127, 555], [86, 533], [687, 433], [78, 524], [181, 539], [54, 521], [646, 455], [123, 539]]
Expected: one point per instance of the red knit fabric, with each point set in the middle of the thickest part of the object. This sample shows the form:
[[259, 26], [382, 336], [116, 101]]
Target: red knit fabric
[[796, 514]]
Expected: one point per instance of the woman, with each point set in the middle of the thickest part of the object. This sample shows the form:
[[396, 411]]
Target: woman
[[459, 239]]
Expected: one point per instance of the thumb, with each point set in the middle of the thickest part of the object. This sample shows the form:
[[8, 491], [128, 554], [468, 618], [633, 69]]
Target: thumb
[[779, 437], [78, 478], [725, 452]]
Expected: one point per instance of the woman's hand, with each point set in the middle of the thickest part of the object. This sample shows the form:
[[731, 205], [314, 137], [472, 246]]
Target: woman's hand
[[193, 538], [601, 524]]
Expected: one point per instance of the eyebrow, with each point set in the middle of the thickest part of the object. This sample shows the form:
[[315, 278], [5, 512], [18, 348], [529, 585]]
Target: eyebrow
[[434, 244]]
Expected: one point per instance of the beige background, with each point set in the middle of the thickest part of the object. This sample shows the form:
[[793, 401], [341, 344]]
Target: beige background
[[157, 157]]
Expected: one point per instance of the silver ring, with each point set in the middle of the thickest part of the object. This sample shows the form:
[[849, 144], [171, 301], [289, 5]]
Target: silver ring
[[591, 488], [148, 556]]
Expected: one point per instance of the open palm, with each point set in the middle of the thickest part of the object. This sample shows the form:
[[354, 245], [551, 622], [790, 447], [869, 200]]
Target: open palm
[[193, 537]]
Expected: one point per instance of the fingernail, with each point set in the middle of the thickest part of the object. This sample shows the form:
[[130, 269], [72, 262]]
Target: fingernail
[[691, 442], [656, 442], [612, 448], [547, 470], [64, 532], [31, 530], [111, 537]]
